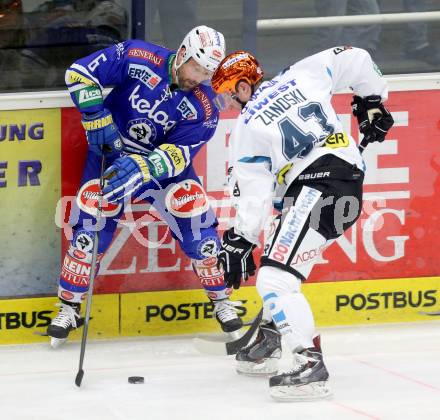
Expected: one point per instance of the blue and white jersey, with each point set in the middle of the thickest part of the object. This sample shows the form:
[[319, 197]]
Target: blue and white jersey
[[289, 123], [144, 108]]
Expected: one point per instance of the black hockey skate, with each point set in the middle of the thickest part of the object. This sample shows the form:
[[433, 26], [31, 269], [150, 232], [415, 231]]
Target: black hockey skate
[[226, 315], [68, 318], [307, 381], [262, 355]]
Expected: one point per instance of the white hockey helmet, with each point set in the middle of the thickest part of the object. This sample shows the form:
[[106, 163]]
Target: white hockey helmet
[[205, 45]]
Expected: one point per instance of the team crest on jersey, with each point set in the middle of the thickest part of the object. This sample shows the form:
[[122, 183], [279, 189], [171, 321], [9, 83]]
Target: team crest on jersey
[[82, 244], [142, 130], [143, 73], [187, 199], [208, 247], [187, 109], [87, 200]]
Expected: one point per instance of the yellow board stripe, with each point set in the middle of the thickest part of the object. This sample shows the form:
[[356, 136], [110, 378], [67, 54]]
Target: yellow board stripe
[[20, 318], [189, 311]]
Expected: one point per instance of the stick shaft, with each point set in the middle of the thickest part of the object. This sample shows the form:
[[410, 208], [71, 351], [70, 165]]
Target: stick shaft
[[80, 374]]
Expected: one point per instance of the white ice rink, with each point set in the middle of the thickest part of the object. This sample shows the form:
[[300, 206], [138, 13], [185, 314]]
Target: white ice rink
[[377, 372]]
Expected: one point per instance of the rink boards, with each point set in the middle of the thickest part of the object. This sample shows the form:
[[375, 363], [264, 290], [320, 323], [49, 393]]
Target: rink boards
[[146, 285], [188, 311]]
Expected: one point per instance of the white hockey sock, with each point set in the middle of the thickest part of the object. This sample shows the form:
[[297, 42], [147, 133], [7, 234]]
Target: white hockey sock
[[294, 320], [281, 292]]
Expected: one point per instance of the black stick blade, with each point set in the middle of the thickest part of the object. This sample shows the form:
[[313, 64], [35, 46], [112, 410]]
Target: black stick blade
[[214, 346], [233, 346], [79, 377]]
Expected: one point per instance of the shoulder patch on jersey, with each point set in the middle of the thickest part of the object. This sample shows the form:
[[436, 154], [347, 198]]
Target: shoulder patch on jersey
[[74, 77], [143, 73], [119, 50], [338, 50], [146, 55], [187, 109], [204, 101]]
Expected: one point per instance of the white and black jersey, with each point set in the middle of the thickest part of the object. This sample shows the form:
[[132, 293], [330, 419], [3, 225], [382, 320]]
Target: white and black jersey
[[290, 121]]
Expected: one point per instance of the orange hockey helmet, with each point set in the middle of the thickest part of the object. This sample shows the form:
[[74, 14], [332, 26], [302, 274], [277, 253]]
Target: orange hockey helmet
[[239, 65]]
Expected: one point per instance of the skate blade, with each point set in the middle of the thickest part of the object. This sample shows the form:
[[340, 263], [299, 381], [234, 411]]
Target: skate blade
[[57, 342], [267, 368], [309, 392]]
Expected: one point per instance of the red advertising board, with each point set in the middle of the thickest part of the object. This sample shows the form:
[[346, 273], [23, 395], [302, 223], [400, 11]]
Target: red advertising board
[[395, 237]]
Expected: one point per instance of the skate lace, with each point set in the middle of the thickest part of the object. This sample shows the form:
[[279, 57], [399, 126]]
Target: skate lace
[[225, 310], [299, 363], [66, 316], [257, 338]]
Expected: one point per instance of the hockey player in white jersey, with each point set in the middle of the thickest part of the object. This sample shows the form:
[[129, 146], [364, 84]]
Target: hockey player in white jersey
[[289, 136]]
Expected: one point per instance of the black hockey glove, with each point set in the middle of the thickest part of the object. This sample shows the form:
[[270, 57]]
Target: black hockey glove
[[373, 118], [235, 256]]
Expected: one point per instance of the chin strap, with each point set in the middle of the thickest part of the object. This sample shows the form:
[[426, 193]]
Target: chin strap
[[236, 98], [176, 66]]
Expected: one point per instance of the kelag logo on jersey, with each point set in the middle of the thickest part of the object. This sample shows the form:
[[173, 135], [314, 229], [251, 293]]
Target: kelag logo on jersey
[[143, 106], [187, 109], [147, 76]]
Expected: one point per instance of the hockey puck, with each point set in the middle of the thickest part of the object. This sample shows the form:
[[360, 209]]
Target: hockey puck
[[135, 379]]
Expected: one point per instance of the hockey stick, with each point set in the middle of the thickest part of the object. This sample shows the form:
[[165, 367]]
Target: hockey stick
[[80, 374], [221, 348], [435, 313], [362, 146]]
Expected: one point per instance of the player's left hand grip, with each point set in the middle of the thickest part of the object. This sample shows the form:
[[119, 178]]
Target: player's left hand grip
[[101, 132]]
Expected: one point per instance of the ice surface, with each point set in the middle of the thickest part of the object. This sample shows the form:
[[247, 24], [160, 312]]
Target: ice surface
[[377, 372]]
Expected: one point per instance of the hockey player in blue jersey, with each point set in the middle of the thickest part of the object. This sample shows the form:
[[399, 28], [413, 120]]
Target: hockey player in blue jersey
[[151, 125]]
